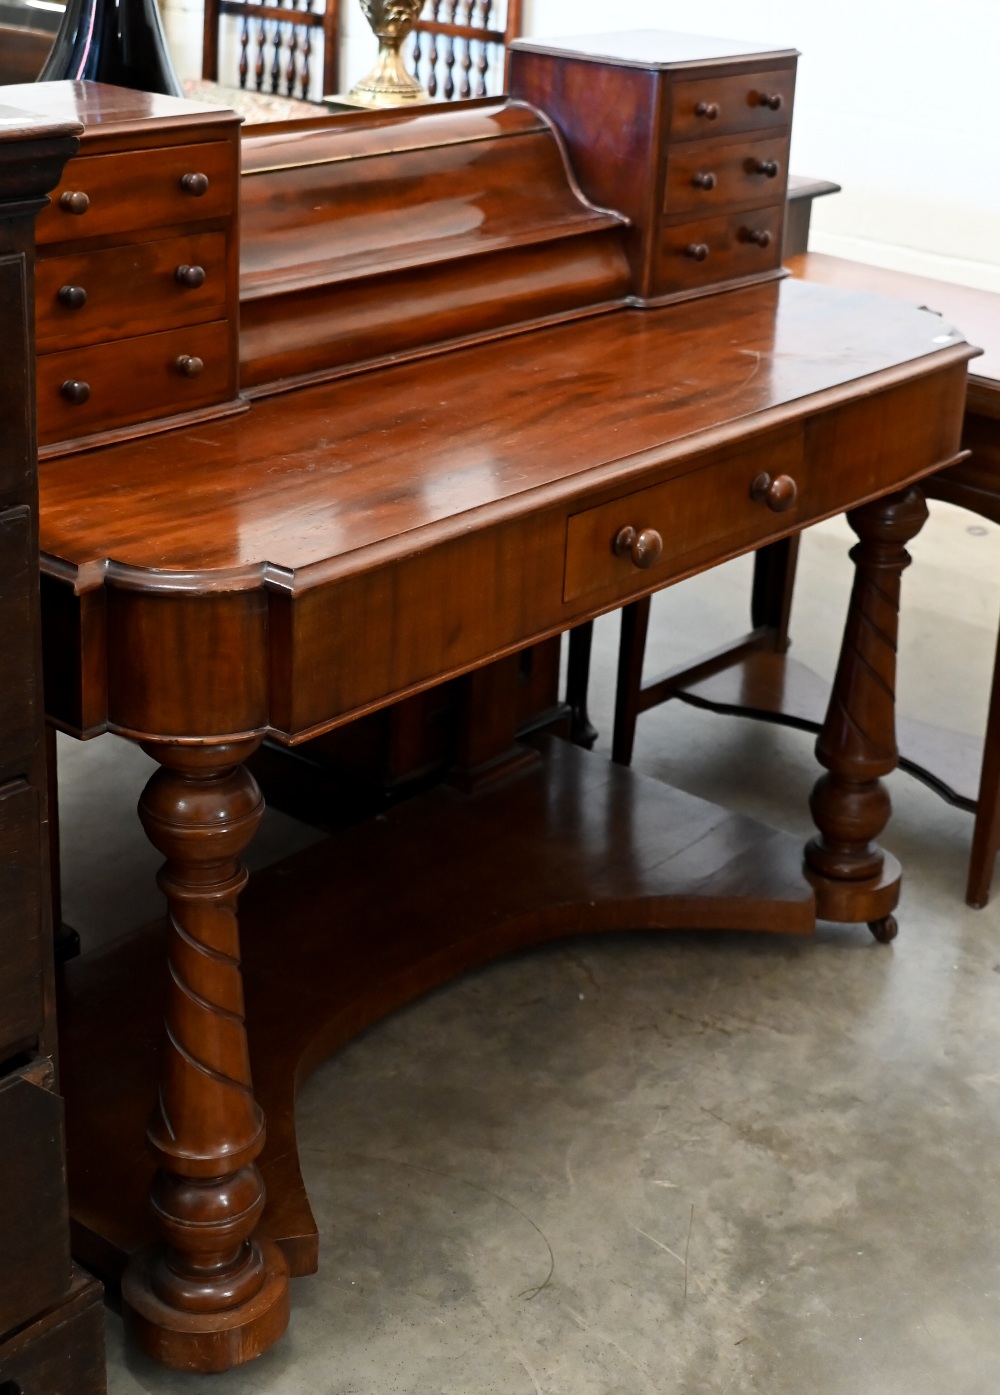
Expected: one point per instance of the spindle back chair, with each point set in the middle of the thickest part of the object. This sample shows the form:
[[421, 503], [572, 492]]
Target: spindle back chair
[[458, 49], [277, 46]]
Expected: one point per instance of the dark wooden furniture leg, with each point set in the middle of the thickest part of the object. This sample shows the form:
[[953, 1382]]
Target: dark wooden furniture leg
[[852, 877], [582, 731], [773, 586], [986, 834], [628, 692], [210, 1295]]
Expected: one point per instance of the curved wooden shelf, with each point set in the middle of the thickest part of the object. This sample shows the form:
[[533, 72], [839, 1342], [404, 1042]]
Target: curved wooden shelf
[[371, 920]]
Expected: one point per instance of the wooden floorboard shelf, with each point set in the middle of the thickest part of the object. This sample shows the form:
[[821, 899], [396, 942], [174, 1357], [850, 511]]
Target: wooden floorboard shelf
[[340, 935]]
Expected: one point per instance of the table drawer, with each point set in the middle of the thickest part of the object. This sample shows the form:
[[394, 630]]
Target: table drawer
[[156, 195], [21, 960], [709, 509], [714, 106], [717, 249], [88, 297], [709, 178], [131, 380]]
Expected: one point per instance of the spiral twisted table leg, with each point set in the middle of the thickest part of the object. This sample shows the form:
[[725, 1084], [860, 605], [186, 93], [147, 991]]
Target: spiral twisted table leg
[[211, 1295], [853, 878]]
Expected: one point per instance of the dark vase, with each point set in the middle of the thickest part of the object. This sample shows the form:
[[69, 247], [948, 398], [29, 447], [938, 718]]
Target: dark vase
[[116, 41]]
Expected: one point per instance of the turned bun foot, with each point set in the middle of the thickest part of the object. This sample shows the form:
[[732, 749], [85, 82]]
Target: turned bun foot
[[212, 1341], [884, 930]]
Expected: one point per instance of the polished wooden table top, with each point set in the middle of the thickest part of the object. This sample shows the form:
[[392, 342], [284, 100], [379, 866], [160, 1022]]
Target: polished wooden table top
[[306, 485], [977, 313]]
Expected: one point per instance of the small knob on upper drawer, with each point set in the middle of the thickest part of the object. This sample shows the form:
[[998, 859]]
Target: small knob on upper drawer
[[768, 167], [190, 276], [74, 201], [771, 100], [76, 391], [709, 110], [704, 181], [73, 297], [195, 184], [644, 546], [189, 366], [779, 494], [697, 250], [761, 237]]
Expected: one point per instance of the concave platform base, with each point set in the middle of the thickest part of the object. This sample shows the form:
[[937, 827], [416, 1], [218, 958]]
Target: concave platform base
[[775, 688], [340, 935]]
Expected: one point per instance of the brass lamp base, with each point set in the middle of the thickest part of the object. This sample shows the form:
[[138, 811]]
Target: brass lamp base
[[389, 84]]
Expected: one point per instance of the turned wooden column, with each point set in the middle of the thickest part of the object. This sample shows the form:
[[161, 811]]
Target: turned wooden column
[[853, 877], [210, 1295]]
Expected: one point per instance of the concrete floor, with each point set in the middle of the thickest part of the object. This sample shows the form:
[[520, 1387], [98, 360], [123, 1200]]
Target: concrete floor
[[678, 1164]]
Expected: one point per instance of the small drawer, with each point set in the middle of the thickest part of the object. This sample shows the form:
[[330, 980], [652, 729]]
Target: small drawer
[[110, 194], [705, 511], [714, 106], [710, 178], [108, 385], [89, 297], [719, 249]]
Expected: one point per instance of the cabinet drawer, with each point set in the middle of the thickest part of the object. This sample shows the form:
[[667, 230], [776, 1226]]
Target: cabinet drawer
[[21, 960], [62, 1351], [709, 178], [716, 249], [131, 380], [705, 510], [34, 1225], [139, 189], [128, 291], [714, 106]]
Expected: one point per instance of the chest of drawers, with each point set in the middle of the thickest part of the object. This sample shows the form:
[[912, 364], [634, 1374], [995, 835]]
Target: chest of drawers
[[687, 135], [137, 289]]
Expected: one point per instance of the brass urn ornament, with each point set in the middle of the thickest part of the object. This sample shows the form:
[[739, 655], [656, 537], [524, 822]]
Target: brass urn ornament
[[389, 84]]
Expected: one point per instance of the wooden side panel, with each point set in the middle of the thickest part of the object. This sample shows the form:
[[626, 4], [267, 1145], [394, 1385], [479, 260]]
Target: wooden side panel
[[18, 616], [61, 1352], [217, 644], [21, 953]]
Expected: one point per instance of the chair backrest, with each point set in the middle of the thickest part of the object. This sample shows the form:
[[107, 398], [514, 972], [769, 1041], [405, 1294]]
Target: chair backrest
[[469, 36], [276, 45]]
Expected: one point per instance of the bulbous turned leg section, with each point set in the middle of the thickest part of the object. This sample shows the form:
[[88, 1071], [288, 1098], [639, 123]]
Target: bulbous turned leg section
[[210, 1295], [853, 878]]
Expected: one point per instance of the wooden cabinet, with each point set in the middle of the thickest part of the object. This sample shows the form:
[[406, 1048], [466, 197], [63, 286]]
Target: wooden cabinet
[[687, 135], [137, 266], [51, 1323]]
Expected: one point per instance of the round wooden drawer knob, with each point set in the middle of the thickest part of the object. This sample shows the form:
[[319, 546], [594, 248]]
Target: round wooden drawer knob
[[74, 201], [779, 493], [760, 237], [766, 167], [709, 110], [190, 276], [771, 100], [194, 184], [189, 366], [76, 391], [704, 181], [698, 251], [73, 297], [644, 546]]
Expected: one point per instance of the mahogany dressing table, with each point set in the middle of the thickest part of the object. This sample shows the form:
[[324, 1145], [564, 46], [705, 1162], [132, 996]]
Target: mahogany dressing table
[[430, 479]]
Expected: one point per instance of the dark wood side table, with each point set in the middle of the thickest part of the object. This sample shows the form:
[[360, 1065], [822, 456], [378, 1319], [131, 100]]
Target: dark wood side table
[[51, 1320]]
